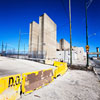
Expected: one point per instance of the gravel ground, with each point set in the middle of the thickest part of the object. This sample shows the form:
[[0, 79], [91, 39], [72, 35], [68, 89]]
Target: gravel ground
[[74, 85]]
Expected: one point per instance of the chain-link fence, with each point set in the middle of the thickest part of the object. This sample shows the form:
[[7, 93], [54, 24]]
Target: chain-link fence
[[35, 55]]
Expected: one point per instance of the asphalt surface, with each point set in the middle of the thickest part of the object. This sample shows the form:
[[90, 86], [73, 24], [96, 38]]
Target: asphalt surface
[[12, 66], [96, 67], [73, 85], [97, 62]]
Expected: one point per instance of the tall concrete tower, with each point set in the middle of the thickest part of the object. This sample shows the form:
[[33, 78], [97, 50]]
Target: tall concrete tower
[[42, 39], [33, 38]]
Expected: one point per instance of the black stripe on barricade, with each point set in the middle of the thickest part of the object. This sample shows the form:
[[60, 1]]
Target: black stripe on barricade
[[10, 87]]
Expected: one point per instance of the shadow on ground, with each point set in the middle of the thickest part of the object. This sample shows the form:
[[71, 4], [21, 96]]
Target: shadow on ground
[[6, 72]]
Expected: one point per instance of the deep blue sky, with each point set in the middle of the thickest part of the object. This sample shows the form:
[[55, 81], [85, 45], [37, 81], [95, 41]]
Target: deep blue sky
[[17, 14]]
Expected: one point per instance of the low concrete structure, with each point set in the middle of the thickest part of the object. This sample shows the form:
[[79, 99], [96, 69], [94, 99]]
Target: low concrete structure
[[63, 51], [65, 56], [77, 54], [80, 52]]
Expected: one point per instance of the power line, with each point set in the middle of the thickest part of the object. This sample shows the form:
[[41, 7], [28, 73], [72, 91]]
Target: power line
[[89, 3], [19, 44], [2, 47], [62, 1], [24, 48], [6, 48]]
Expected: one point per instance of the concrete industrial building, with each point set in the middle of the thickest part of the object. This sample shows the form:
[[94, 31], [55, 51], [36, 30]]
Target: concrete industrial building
[[77, 54], [42, 39], [63, 51], [62, 45]]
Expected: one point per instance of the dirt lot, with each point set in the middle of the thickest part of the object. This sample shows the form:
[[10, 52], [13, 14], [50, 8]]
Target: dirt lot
[[74, 85], [11, 66]]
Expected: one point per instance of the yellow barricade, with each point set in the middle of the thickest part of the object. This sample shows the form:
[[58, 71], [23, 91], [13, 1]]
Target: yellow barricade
[[10, 87], [49, 62], [61, 68], [35, 80]]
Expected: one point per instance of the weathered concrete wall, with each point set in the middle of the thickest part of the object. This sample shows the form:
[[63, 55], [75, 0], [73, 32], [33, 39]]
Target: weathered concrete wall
[[57, 46], [77, 54], [34, 38], [80, 52], [64, 51], [41, 35], [65, 55], [42, 39], [30, 37], [48, 36]]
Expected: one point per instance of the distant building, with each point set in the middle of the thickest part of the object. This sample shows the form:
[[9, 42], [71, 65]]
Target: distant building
[[57, 46], [63, 51], [62, 45], [42, 39]]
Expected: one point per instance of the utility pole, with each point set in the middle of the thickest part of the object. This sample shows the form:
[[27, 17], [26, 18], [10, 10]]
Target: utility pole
[[6, 48], [18, 45], [24, 49], [70, 32], [86, 35], [2, 48]]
